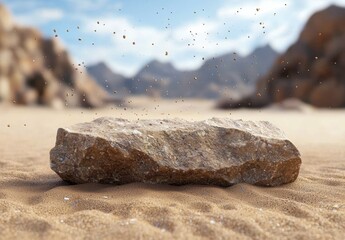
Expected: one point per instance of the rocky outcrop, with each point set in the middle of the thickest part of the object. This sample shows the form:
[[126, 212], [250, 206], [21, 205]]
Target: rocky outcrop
[[35, 70], [311, 70], [217, 151]]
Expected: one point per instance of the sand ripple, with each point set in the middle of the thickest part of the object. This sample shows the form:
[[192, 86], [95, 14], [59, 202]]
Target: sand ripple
[[36, 204]]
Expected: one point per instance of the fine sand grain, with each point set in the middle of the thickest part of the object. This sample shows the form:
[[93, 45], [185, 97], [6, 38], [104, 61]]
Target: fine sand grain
[[36, 204]]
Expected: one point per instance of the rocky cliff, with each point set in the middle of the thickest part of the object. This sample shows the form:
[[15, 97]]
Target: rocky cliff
[[36, 70]]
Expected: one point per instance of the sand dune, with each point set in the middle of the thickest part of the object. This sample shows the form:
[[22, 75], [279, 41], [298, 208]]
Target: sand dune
[[35, 203]]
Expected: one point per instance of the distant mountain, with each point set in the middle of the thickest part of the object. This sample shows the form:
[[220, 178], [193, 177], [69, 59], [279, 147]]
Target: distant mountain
[[154, 79], [234, 69], [110, 81], [229, 74]]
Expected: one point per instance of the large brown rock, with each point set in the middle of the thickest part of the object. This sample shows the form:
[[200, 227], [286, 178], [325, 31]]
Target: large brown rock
[[216, 151]]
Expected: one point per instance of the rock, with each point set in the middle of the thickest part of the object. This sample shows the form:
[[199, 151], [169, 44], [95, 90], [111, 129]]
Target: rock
[[57, 103], [6, 23], [5, 61], [27, 97], [217, 151], [329, 94], [4, 89], [291, 104]]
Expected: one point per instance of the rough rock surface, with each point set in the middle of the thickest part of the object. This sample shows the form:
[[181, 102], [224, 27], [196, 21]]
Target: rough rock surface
[[216, 151], [312, 69]]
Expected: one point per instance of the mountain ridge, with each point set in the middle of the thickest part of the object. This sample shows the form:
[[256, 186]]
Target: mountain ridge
[[228, 73]]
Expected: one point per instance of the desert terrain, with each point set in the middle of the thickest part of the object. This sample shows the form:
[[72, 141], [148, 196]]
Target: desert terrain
[[36, 204]]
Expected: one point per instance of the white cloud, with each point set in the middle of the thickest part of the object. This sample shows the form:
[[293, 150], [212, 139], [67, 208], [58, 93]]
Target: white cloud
[[92, 5], [41, 16], [251, 9], [50, 14]]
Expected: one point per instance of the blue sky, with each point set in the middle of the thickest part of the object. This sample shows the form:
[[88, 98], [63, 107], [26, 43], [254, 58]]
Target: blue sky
[[180, 31]]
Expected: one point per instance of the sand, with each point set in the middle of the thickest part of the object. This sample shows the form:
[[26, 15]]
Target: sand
[[36, 204]]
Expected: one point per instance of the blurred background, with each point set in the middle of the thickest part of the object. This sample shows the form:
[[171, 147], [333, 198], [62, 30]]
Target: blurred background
[[98, 53]]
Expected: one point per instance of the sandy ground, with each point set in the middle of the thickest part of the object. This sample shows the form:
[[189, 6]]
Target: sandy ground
[[36, 204]]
